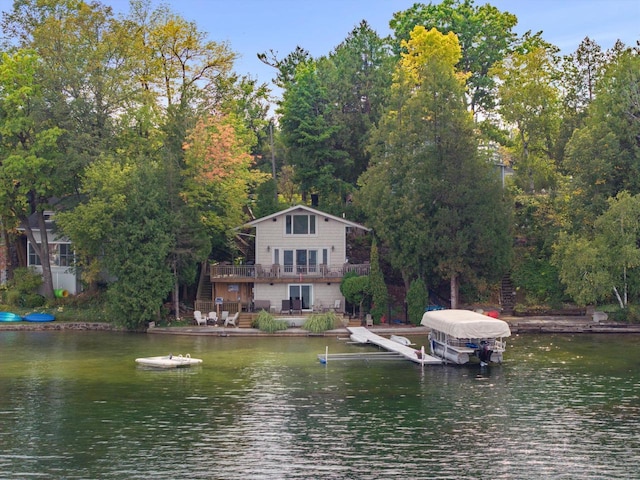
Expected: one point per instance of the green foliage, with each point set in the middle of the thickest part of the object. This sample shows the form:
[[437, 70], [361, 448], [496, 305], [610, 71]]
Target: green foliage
[[591, 268], [356, 289], [430, 198], [268, 323], [485, 35], [626, 315], [320, 322], [377, 287], [417, 300], [538, 278], [25, 280]]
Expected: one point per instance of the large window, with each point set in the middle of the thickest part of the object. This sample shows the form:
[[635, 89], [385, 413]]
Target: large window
[[304, 293], [300, 224], [300, 261], [60, 255]]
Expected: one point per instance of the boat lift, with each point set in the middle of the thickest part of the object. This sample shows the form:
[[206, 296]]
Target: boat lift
[[394, 349]]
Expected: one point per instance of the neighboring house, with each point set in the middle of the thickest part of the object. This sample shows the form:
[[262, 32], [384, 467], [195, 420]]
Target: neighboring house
[[300, 259], [61, 255]]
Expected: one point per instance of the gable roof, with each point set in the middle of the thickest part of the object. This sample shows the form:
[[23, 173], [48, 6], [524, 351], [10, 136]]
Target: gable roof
[[346, 222]]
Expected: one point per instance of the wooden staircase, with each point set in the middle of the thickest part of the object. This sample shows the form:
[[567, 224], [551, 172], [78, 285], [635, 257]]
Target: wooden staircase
[[507, 295], [245, 319]]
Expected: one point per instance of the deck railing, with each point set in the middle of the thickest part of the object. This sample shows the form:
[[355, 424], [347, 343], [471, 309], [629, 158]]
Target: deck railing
[[284, 271]]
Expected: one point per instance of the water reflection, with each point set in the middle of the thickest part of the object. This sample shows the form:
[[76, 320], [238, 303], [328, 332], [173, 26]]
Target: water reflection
[[74, 405]]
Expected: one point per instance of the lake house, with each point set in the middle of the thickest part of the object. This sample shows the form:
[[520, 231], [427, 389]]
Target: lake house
[[300, 260]]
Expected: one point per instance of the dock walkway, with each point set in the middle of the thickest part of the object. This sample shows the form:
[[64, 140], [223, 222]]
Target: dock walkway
[[417, 356]]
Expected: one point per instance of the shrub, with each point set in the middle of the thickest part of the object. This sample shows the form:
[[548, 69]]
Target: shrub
[[320, 322], [267, 323], [12, 297], [32, 300], [25, 280]]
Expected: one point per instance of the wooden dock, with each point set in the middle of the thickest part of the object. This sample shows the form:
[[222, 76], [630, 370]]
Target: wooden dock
[[393, 348]]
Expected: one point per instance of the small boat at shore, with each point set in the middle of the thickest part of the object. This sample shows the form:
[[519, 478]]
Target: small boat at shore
[[39, 317], [169, 361], [401, 340], [10, 317], [457, 336]]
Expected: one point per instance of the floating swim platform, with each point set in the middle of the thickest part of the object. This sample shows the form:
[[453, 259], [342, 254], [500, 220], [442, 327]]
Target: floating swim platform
[[168, 361], [39, 317], [10, 317]]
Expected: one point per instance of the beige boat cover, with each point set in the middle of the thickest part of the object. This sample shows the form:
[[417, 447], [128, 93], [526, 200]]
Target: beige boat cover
[[465, 324]]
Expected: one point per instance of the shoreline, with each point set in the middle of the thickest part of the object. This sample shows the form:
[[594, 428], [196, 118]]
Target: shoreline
[[541, 324]]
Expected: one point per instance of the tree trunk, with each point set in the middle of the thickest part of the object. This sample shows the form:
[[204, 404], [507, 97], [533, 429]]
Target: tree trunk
[[42, 250], [454, 291], [176, 291]]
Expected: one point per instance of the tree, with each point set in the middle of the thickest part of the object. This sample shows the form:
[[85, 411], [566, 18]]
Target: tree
[[484, 33], [356, 289], [603, 156], [378, 289], [593, 268], [417, 300], [307, 133], [29, 154], [529, 101], [442, 208], [357, 76]]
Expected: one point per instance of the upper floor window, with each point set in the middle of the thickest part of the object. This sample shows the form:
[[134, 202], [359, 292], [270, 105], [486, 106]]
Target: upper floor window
[[300, 224]]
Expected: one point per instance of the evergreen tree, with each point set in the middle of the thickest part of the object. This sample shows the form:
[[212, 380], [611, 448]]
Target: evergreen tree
[[378, 288]]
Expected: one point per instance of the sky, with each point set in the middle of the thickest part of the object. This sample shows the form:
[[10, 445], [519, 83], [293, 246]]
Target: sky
[[256, 26]]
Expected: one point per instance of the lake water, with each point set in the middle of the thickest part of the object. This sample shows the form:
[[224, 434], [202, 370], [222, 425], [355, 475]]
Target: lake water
[[74, 405]]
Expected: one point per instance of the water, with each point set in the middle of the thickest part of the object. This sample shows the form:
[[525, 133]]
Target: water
[[73, 405]]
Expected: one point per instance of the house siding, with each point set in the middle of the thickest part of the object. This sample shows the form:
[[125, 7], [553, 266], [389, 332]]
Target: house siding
[[64, 278]]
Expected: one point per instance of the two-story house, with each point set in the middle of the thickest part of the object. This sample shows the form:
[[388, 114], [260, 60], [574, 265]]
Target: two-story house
[[300, 259]]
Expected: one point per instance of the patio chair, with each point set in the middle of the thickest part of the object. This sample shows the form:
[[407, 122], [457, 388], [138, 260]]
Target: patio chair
[[232, 320], [213, 318], [223, 317], [369, 320], [337, 306], [200, 320]]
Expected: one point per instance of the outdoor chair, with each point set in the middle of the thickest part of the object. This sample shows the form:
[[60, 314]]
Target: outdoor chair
[[337, 306], [223, 317], [232, 320], [213, 318], [200, 320]]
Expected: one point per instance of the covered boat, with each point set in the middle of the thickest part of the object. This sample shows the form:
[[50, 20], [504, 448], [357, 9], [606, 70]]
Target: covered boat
[[169, 361], [458, 335]]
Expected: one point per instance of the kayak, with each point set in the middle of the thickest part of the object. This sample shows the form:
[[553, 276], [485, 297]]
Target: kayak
[[39, 317], [10, 317]]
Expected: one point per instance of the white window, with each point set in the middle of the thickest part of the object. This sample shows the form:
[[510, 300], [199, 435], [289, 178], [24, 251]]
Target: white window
[[300, 225], [300, 261], [60, 255]]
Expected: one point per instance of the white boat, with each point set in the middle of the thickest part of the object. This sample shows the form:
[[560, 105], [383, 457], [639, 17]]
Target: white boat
[[169, 361], [401, 340], [459, 335]]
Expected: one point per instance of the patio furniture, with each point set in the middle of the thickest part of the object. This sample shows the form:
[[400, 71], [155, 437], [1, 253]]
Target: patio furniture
[[212, 318], [232, 320], [200, 320]]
